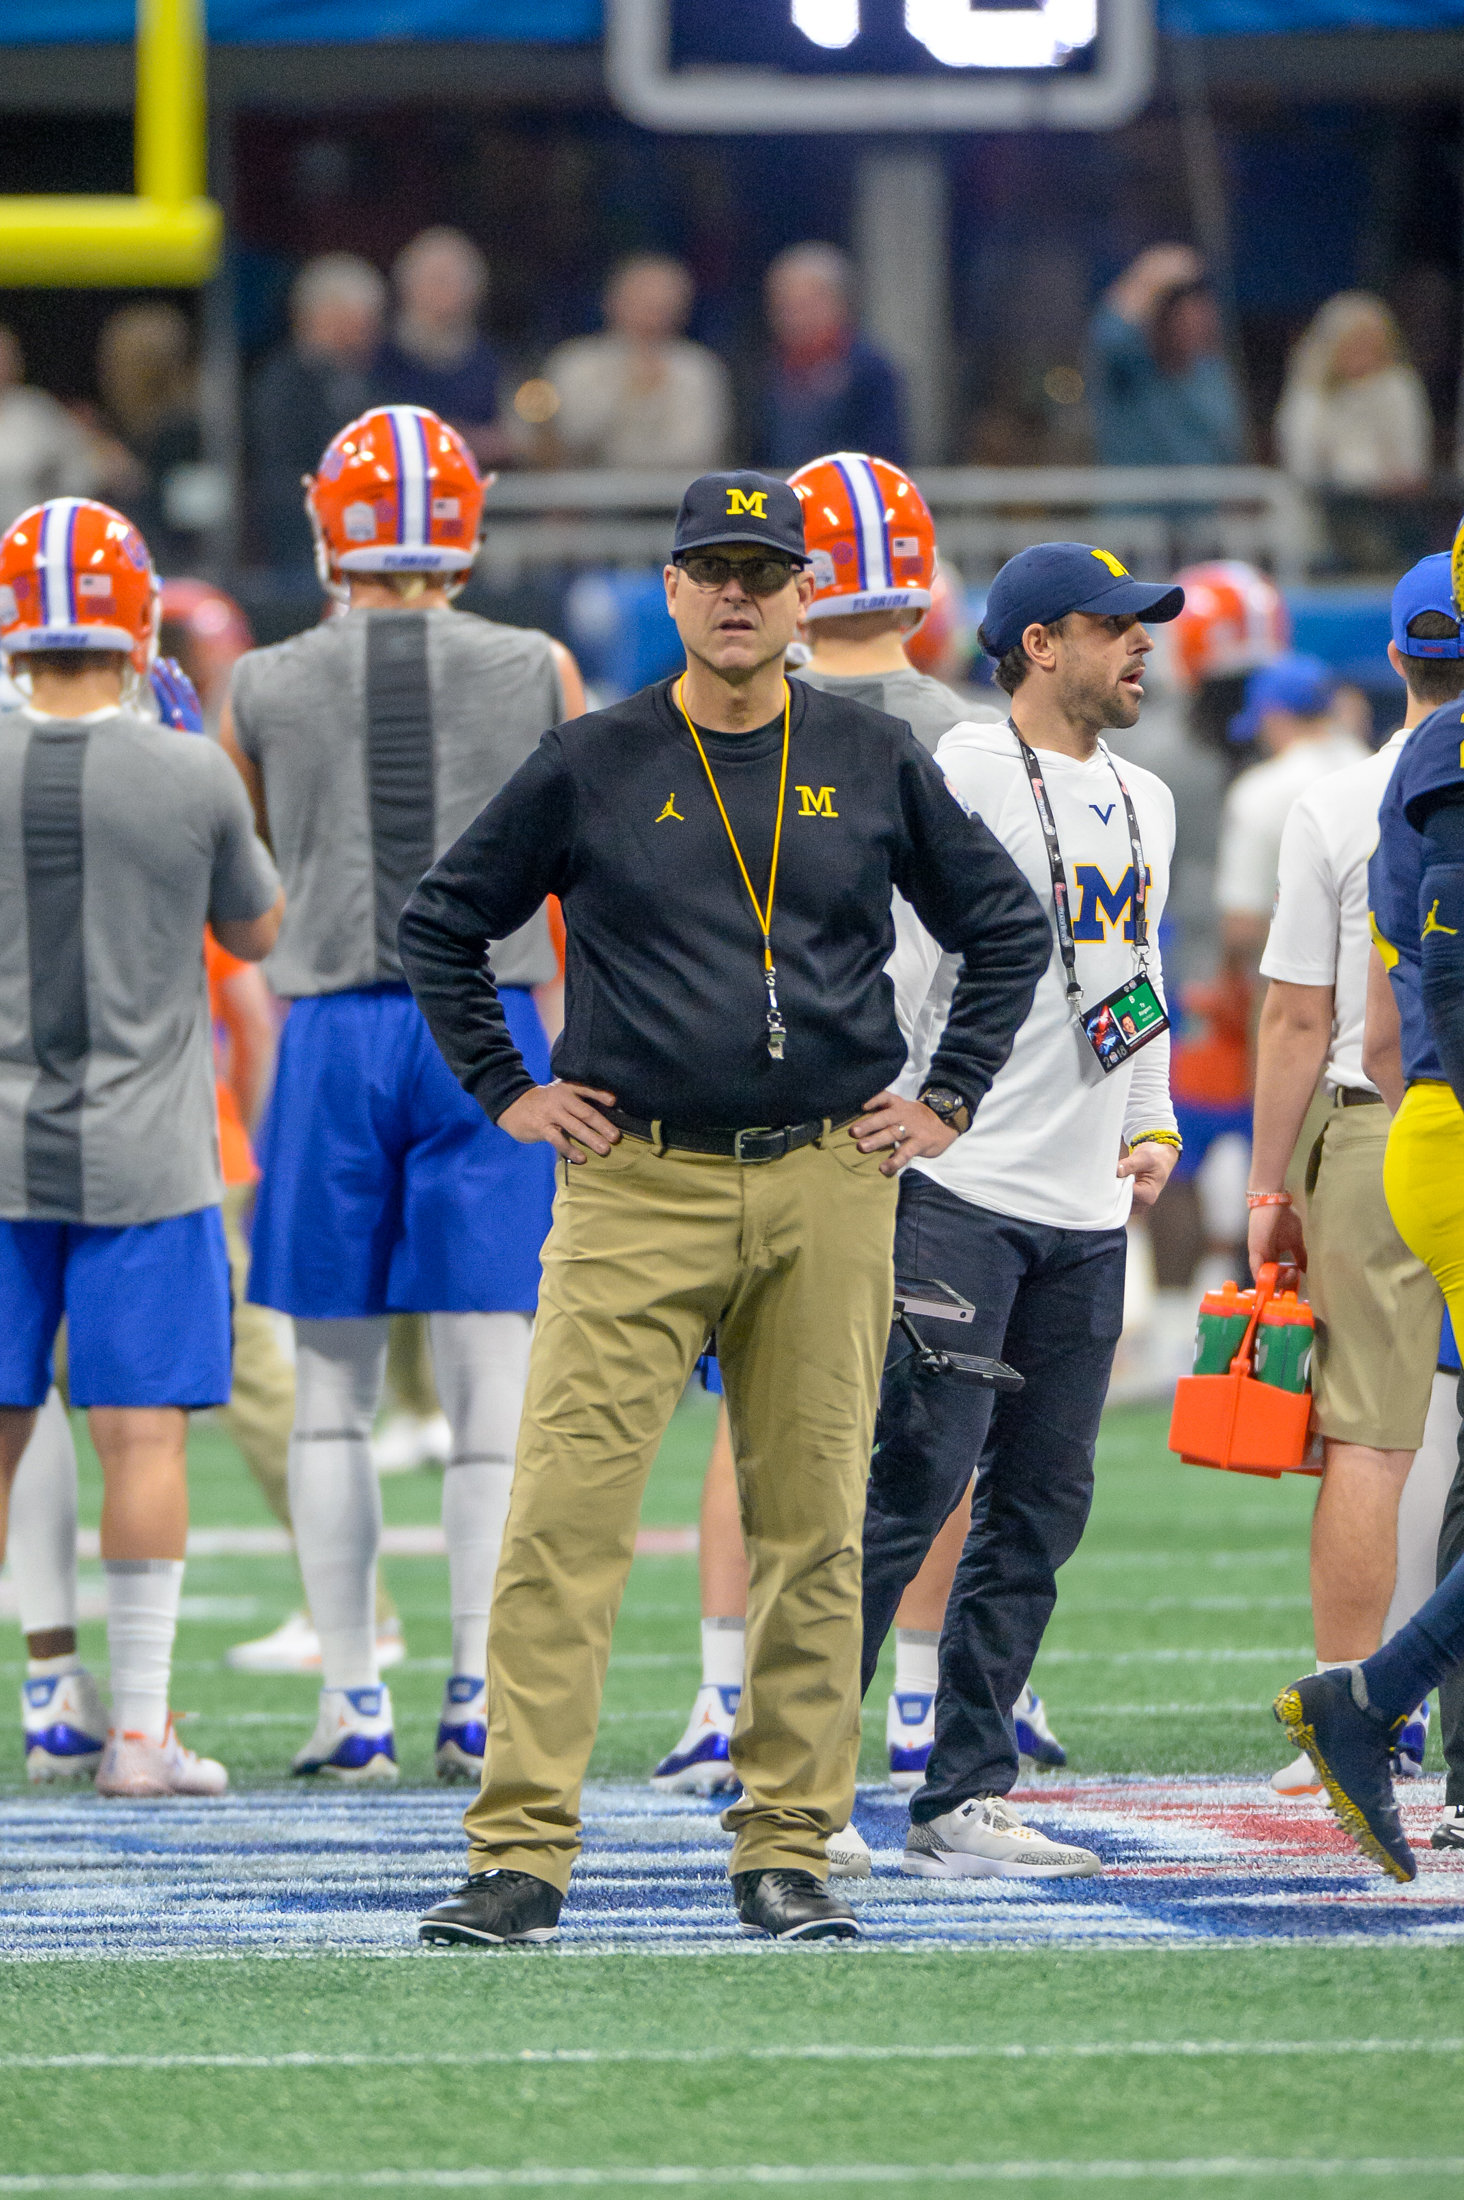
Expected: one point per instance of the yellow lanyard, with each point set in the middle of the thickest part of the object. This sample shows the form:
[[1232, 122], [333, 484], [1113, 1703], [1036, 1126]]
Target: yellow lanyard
[[777, 1031]]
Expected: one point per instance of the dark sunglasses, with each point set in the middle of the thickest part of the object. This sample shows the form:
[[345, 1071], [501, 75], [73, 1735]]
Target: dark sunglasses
[[759, 576]]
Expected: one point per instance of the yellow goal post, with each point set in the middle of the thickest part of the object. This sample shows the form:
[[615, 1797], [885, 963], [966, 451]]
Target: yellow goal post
[[168, 232]]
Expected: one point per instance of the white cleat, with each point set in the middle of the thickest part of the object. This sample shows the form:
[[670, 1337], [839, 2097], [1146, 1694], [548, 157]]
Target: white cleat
[[987, 1839], [462, 1730], [848, 1855], [65, 1725], [1298, 1778], [136, 1765], [406, 1442], [909, 1736], [294, 1647], [353, 1740], [701, 1764]]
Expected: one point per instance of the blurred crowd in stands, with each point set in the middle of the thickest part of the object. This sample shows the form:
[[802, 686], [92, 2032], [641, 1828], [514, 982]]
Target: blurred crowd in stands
[[1158, 385]]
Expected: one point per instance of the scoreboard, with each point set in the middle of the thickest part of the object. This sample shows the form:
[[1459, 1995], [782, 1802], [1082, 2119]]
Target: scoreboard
[[880, 65]]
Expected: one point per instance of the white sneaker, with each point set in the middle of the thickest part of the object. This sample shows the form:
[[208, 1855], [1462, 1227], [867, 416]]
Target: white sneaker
[[134, 1764], [986, 1839], [405, 1443], [848, 1855], [294, 1647], [909, 1736], [1297, 1778], [353, 1739], [700, 1764], [64, 1722]]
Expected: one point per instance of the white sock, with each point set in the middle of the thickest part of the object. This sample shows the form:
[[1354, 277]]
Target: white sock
[[724, 1648], [142, 1619], [480, 1363], [335, 1498], [51, 1669], [42, 1535], [915, 1661]]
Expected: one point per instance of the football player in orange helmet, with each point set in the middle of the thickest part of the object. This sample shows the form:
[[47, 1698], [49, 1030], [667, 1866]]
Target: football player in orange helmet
[[871, 544], [369, 743], [108, 1153], [1234, 620]]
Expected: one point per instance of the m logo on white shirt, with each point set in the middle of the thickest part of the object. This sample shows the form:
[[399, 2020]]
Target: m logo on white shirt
[[1100, 904]]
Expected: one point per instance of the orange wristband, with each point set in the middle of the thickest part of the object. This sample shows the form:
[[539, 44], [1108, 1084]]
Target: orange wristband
[[1268, 1199]]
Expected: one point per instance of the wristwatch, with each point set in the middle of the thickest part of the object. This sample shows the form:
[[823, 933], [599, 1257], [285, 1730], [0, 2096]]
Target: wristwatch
[[947, 1103]]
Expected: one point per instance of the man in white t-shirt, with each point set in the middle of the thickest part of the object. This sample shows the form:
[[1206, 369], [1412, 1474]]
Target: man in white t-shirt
[[1025, 1215], [1288, 712], [1378, 1309]]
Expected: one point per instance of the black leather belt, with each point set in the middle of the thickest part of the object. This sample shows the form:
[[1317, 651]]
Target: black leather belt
[[1349, 1096], [761, 1143]]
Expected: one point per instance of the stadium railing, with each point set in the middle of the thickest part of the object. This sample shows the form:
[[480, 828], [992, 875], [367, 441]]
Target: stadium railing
[[1157, 517]]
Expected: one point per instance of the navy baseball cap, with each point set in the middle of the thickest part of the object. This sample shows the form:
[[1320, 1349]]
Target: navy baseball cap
[[1041, 585], [1427, 586], [1293, 682], [742, 507]]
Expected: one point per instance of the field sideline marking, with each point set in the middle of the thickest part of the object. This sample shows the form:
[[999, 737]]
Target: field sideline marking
[[960, 2051], [751, 2173]]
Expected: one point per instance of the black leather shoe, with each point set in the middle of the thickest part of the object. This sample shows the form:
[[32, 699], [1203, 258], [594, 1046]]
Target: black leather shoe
[[791, 1906], [494, 1910]]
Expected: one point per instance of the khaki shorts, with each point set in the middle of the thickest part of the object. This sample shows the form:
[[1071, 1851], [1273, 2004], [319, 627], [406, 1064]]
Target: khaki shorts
[[1378, 1309]]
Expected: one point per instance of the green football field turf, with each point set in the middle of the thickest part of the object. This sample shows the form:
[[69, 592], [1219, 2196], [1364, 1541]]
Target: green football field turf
[[1179, 2069]]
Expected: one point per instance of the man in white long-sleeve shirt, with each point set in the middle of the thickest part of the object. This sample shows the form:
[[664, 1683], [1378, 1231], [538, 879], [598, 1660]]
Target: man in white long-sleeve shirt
[[1025, 1215]]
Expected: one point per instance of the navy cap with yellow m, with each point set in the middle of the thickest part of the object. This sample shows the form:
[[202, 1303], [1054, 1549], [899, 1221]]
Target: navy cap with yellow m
[[740, 507]]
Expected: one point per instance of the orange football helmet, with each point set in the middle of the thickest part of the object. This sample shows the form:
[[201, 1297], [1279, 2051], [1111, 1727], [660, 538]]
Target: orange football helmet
[[870, 536], [1234, 618], [397, 492], [74, 574]]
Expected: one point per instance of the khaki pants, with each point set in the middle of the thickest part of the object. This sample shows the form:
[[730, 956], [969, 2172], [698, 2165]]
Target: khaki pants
[[1378, 1309], [791, 1263]]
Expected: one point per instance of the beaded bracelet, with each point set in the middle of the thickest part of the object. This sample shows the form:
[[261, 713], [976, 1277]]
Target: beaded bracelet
[[1157, 1138], [1268, 1199]]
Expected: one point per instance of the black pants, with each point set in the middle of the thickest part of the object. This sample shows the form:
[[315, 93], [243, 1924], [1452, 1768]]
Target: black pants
[[1050, 1302], [1451, 1688]]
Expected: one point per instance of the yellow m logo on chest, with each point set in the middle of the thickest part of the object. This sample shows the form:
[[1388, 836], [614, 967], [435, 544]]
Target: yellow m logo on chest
[[820, 804]]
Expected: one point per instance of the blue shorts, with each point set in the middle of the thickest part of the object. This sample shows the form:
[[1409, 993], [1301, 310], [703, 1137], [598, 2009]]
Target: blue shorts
[[147, 1311], [386, 1190]]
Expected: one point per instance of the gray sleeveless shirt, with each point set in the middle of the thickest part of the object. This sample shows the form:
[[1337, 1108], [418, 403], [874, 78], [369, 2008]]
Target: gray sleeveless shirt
[[928, 708], [380, 736]]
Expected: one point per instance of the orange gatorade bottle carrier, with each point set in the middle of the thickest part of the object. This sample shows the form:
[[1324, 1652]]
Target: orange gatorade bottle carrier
[[1252, 1415]]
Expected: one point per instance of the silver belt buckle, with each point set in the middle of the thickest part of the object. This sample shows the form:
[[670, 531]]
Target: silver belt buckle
[[759, 1130]]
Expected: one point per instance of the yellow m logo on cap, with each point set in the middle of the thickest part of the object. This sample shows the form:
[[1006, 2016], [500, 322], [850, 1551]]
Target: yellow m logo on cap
[[1106, 557], [747, 500]]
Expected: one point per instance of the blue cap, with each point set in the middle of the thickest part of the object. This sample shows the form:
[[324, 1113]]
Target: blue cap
[[1044, 583], [1293, 682], [741, 507], [1427, 586]]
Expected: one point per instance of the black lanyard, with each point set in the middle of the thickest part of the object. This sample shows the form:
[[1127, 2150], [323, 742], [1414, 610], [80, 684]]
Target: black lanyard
[[1140, 903]]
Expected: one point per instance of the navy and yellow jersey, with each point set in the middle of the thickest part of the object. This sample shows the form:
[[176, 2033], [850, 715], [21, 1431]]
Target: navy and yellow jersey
[[1432, 764]]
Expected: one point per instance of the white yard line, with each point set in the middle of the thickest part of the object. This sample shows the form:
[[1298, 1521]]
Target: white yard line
[[836, 2052], [1219, 2168]]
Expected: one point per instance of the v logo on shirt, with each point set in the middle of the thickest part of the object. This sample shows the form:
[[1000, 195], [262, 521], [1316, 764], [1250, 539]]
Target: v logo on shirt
[[1102, 815]]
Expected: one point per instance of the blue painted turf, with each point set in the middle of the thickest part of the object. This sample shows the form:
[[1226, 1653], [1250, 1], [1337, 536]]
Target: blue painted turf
[[1188, 1862]]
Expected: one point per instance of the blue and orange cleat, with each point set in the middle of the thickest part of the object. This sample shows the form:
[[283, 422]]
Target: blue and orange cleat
[[701, 1762], [462, 1731], [353, 1740], [909, 1736], [1035, 1738], [65, 1725]]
